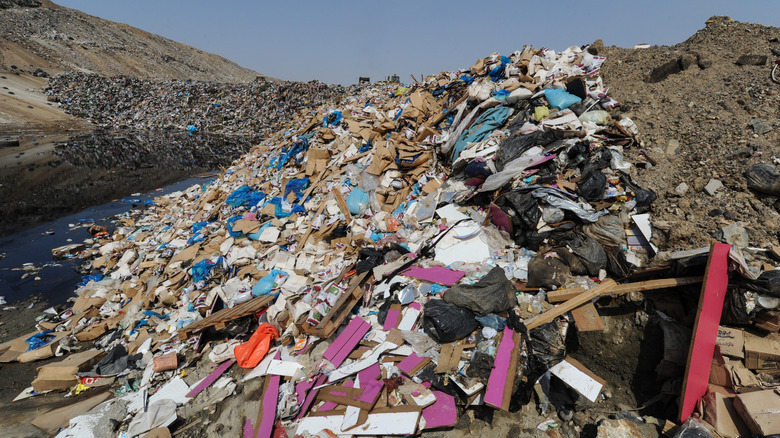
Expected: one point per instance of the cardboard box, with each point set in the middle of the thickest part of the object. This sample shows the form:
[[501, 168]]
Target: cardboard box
[[760, 410], [762, 352], [731, 341], [62, 375], [720, 413]]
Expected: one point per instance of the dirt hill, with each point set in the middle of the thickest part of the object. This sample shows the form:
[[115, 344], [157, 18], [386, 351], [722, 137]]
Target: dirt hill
[[703, 116], [62, 39]]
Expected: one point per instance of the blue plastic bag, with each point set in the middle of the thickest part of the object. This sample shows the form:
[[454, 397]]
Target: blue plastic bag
[[279, 211], [270, 282], [332, 119], [91, 277], [39, 340], [357, 201], [296, 186], [244, 195], [560, 98], [202, 269]]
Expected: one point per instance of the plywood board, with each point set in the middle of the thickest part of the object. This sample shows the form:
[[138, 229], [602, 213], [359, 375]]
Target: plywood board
[[705, 329]]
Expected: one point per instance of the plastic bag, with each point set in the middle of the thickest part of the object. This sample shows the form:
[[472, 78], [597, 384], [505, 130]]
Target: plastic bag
[[560, 99], [547, 270], [608, 231], [590, 253], [693, 428], [445, 322], [244, 196], [767, 283], [492, 294], [592, 186], [251, 352], [763, 178], [272, 281], [296, 186], [357, 201]]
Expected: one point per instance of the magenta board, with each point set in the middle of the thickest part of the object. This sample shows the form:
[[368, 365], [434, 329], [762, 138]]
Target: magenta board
[[705, 329]]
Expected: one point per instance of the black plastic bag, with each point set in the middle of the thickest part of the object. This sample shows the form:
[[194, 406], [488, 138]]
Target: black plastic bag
[[480, 365], [735, 307], [767, 283], [590, 253], [494, 293], [445, 322], [593, 186], [618, 267], [546, 347], [763, 178], [515, 145], [546, 270]]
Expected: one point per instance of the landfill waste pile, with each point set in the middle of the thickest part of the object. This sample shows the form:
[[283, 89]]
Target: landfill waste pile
[[130, 149], [394, 262], [257, 109]]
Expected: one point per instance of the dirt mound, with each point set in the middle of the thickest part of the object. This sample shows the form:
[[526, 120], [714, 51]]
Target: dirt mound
[[63, 39], [704, 114]]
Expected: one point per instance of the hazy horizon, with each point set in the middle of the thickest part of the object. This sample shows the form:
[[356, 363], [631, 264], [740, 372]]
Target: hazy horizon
[[339, 42]]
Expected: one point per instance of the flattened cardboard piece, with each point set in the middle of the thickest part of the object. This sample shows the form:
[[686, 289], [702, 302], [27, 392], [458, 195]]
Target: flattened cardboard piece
[[705, 329], [449, 357], [760, 410], [743, 378], [62, 375], [720, 372], [43, 352], [762, 352], [13, 348], [55, 419], [579, 378], [502, 377], [731, 342], [720, 413], [587, 318]]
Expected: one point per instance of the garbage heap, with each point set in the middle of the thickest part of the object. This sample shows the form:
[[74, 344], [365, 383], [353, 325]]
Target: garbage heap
[[384, 264], [256, 109]]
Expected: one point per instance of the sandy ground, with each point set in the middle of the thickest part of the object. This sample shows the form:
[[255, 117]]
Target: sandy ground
[[24, 107]]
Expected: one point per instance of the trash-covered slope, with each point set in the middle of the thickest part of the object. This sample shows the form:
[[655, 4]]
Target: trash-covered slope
[[398, 260]]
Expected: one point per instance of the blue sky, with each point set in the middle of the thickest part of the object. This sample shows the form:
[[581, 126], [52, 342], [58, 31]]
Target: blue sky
[[337, 41]]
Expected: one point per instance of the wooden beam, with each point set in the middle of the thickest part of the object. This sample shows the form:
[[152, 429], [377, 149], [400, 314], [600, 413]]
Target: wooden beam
[[342, 203], [582, 298], [561, 295]]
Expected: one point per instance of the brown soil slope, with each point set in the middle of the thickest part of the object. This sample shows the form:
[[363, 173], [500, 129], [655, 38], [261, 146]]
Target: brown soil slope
[[62, 39], [703, 117]]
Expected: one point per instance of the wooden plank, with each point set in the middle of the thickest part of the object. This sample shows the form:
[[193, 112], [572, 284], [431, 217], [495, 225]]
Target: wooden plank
[[266, 416], [587, 318], [705, 329], [502, 377], [211, 378], [602, 289], [413, 364], [342, 204], [561, 295], [227, 314], [393, 317], [338, 351]]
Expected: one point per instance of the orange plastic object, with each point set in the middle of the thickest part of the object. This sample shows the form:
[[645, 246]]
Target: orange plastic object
[[251, 352]]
